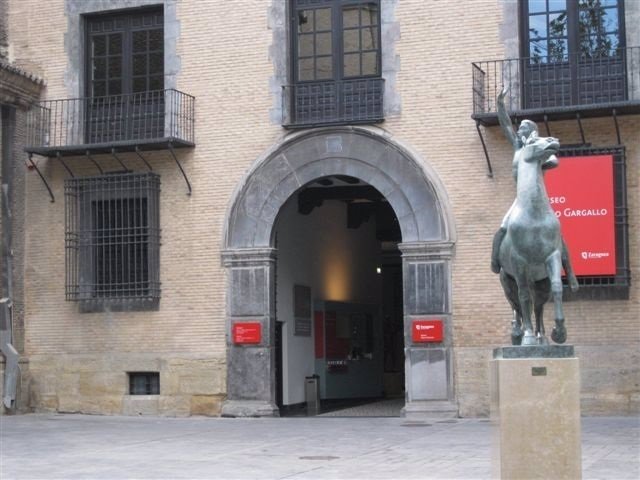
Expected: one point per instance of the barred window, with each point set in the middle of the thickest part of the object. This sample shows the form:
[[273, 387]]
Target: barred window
[[144, 383], [112, 241]]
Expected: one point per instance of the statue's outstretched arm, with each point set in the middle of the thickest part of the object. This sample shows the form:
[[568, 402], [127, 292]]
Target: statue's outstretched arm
[[505, 121]]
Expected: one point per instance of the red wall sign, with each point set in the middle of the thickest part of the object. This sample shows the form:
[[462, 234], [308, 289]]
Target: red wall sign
[[247, 332], [426, 331], [581, 192], [318, 333], [335, 346]]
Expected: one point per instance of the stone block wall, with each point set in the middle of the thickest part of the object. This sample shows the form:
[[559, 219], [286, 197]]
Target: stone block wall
[[86, 383]]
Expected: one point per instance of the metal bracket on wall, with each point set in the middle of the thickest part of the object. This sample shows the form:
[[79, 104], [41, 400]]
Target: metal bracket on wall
[[486, 153], [546, 125], [615, 121], [66, 167], [35, 167], [113, 154], [95, 162], [173, 153], [580, 126], [143, 159]]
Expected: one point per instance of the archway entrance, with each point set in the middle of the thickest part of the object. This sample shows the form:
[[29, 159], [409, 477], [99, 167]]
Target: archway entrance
[[339, 302], [418, 200]]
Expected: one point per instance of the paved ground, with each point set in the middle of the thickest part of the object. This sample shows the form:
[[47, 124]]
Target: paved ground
[[94, 447]]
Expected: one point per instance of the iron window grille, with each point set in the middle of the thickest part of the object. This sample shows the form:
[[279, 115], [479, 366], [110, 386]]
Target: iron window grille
[[144, 383], [548, 87], [574, 59], [126, 104], [112, 241], [608, 287], [74, 125]]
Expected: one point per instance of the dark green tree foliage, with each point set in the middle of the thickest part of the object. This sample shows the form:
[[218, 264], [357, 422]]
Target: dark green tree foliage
[[597, 29]]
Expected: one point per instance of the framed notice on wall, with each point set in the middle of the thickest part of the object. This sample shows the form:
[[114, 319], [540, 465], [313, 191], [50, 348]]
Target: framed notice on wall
[[302, 310]]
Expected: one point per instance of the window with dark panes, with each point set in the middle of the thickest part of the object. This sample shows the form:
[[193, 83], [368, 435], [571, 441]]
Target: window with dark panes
[[144, 383], [113, 238], [360, 54], [125, 76], [336, 60], [548, 31], [121, 247], [315, 59], [575, 52]]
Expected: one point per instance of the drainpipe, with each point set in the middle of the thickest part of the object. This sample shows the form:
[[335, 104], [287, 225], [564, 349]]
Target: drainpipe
[[11, 370]]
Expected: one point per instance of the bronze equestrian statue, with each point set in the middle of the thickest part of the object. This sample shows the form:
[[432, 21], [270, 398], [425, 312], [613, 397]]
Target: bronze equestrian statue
[[528, 249]]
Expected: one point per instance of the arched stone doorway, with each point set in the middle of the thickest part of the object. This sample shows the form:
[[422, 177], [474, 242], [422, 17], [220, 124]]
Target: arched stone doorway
[[420, 203]]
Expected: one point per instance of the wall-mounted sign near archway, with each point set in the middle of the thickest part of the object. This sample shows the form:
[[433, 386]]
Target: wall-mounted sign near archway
[[420, 203]]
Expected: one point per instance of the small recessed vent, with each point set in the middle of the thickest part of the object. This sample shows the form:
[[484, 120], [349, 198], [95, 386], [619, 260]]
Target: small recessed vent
[[144, 383]]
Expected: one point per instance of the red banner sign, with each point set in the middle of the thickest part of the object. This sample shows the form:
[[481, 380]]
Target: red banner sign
[[581, 193], [426, 331], [247, 333]]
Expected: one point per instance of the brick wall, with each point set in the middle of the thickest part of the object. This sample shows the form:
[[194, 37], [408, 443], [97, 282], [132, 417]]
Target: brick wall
[[224, 63]]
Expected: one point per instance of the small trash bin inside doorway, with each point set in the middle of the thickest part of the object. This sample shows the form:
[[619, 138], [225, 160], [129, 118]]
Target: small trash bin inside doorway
[[312, 394]]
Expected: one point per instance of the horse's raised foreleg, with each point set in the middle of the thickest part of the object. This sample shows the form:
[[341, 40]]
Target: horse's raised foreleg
[[554, 270]]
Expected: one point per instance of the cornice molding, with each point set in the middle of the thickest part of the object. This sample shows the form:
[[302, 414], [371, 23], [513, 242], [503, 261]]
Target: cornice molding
[[18, 87]]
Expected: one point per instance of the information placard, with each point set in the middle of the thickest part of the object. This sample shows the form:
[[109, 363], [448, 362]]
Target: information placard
[[247, 333], [427, 331]]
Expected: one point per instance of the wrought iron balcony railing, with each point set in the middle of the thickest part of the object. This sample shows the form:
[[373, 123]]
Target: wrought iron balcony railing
[[559, 87], [145, 120], [333, 102]]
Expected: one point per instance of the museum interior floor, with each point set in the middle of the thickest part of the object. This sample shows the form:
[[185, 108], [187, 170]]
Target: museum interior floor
[[379, 407]]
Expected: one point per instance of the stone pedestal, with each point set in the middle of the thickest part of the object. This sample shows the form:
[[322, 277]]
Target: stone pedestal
[[535, 411]]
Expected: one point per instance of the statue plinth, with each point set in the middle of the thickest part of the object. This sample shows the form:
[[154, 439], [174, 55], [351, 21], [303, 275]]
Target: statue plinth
[[534, 351], [535, 412]]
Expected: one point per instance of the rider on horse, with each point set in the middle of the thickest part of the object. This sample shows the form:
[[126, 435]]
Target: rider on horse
[[527, 133]]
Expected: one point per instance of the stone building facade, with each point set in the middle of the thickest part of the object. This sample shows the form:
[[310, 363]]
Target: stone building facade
[[229, 147]]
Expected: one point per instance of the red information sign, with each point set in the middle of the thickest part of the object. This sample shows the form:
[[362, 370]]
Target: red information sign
[[336, 347], [581, 194], [318, 333], [247, 332], [426, 331]]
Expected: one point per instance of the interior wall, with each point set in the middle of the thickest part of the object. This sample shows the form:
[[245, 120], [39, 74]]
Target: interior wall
[[338, 264]]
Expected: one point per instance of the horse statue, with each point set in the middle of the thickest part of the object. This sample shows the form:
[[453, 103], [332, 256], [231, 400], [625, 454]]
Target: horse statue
[[529, 252]]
